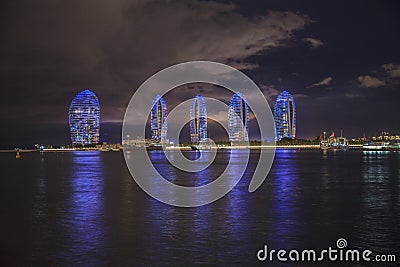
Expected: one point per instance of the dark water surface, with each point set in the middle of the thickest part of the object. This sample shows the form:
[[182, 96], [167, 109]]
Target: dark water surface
[[83, 209]]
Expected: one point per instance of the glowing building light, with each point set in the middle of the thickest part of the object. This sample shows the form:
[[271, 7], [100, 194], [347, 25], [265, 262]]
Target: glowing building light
[[84, 119], [158, 120], [285, 116], [238, 119], [198, 120]]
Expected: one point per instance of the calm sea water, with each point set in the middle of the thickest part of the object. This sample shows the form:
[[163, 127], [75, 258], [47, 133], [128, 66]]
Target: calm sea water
[[84, 209]]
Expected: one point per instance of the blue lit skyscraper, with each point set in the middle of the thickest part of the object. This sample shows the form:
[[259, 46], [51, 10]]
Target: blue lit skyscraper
[[198, 120], [84, 119], [238, 119], [285, 116], [158, 120]]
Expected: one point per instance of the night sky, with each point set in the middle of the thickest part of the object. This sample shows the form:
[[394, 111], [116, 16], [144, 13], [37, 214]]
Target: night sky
[[340, 59]]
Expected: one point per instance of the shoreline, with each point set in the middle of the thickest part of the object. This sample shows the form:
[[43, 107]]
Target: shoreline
[[58, 150]]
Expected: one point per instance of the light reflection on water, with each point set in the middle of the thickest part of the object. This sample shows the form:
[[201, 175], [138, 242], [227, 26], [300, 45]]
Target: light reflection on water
[[85, 209], [40, 205], [85, 204], [380, 197], [285, 197]]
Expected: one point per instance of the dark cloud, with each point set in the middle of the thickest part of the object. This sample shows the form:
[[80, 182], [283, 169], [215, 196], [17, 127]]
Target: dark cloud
[[52, 49], [392, 70], [313, 42], [326, 81], [387, 75], [56, 48], [369, 81]]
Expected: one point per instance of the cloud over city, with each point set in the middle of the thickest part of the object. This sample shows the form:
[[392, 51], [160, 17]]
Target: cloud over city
[[367, 81], [392, 70], [313, 42], [109, 46], [326, 81]]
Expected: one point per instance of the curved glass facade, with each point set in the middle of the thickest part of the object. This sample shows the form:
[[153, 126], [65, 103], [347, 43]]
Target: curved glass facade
[[285, 116], [238, 119], [198, 120], [158, 120], [84, 119]]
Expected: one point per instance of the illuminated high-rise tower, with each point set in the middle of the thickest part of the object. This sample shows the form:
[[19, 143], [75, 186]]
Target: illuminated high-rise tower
[[158, 120], [238, 119], [198, 120], [84, 119], [285, 116]]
